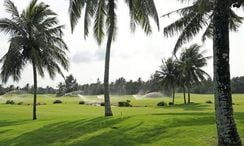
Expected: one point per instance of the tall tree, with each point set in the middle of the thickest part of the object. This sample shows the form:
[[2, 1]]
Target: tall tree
[[168, 76], [226, 127], [221, 19], [104, 14], [190, 64], [36, 38]]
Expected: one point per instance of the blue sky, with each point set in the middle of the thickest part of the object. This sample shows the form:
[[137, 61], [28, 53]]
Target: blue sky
[[133, 54]]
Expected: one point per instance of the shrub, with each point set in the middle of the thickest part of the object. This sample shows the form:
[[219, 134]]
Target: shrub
[[57, 102], [102, 104], [10, 102], [39, 103], [209, 102], [171, 103], [20, 103], [124, 104], [82, 102], [162, 103]]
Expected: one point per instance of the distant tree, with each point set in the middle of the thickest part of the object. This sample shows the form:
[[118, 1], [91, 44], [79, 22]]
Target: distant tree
[[27, 87], [205, 87], [104, 14], [35, 39], [71, 84], [168, 76], [237, 84], [119, 86], [190, 63]]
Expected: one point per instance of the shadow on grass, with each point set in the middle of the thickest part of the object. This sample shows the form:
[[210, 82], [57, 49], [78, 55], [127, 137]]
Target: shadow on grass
[[191, 107], [10, 123], [108, 131], [4, 131]]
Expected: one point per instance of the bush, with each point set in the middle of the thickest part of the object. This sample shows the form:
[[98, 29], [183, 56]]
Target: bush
[[57, 102], [124, 104], [10, 102], [82, 102], [162, 103], [171, 103], [39, 103], [102, 104], [20, 103], [209, 102]]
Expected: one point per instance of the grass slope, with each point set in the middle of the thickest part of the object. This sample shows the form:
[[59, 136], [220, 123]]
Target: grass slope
[[146, 124]]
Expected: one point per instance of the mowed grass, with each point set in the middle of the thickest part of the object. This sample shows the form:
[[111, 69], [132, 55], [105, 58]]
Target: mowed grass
[[143, 124]]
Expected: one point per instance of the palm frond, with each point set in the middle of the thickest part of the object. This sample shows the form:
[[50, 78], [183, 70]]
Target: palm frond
[[75, 7], [11, 8], [99, 21]]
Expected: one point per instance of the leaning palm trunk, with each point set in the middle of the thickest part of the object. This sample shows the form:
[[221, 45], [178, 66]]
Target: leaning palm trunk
[[226, 127], [108, 110], [35, 89]]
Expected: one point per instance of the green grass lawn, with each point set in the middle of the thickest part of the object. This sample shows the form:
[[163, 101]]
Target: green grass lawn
[[144, 124]]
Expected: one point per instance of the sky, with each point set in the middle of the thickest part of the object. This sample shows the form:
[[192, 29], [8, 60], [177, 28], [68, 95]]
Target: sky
[[133, 55]]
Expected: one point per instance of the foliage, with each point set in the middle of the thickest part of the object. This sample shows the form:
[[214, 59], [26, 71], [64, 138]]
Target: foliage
[[209, 102], [81, 102], [168, 75], [70, 84], [194, 19], [162, 103], [10, 102], [124, 103], [20, 103], [57, 102]]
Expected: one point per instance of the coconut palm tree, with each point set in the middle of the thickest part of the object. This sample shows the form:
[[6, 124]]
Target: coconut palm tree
[[190, 63], [104, 14], [168, 76], [219, 22], [195, 19], [36, 38], [226, 127]]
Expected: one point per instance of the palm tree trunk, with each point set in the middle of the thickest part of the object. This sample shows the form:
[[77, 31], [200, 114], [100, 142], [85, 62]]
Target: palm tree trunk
[[226, 127], [108, 110], [189, 95], [35, 89], [173, 96], [184, 94]]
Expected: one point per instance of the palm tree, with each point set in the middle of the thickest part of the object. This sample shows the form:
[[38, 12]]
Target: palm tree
[[168, 76], [35, 38], [191, 62], [104, 14], [195, 19], [226, 127], [220, 21]]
